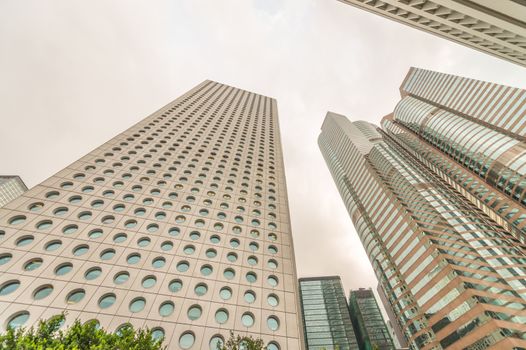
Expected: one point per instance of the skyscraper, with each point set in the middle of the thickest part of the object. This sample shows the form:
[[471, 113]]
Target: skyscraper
[[179, 224], [496, 27], [472, 133], [453, 276], [10, 188], [326, 320], [369, 325]]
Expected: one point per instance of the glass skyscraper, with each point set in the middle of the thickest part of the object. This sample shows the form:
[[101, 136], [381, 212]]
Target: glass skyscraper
[[369, 325], [326, 320], [472, 134], [436, 197], [179, 224]]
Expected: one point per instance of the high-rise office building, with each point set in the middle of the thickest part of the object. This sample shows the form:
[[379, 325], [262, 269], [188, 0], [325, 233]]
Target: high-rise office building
[[326, 320], [179, 224], [453, 276], [497, 27], [10, 188], [369, 325], [472, 133]]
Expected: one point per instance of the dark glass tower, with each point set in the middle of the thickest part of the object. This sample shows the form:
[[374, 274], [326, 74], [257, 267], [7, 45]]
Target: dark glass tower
[[326, 320], [369, 325]]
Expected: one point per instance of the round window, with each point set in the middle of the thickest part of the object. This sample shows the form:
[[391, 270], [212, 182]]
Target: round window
[[107, 300], [225, 293], [9, 287], [137, 305], [75, 296], [166, 308], [175, 285], [186, 341], [221, 316], [121, 277], [42, 292], [194, 312], [93, 273], [247, 319]]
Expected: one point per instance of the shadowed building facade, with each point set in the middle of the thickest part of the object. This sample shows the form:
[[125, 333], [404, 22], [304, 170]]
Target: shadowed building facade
[[369, 325], [453, 276], [326, 320], [394, 328], [10, 188], [496, 27], [179, 224]]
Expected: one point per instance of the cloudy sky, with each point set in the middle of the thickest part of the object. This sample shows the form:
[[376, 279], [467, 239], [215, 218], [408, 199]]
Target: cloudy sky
[[66, 66]]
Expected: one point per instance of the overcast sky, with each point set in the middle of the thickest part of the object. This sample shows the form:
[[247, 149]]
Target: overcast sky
[[66, 66]]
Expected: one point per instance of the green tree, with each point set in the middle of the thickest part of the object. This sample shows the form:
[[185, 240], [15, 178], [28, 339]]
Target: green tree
[[241, 343], [88, 336]]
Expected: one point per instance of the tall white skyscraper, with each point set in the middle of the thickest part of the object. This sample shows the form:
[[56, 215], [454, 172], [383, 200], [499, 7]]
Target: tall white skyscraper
[[180, 224]]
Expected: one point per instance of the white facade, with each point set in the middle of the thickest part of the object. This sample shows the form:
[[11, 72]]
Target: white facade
[[179, 224]]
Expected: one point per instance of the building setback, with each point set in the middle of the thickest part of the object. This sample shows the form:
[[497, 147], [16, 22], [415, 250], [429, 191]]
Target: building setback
[[10, 188], [179, 224], [369, 325], [326, 320], [453, 276], [496, 27], [396, 332]]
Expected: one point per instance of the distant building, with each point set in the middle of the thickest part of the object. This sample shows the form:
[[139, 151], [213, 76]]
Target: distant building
[[10, 188], [369, 326], [326, 319], [496, 27]]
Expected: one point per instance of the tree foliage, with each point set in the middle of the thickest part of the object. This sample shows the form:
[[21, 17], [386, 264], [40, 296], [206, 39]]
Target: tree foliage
[[88, 336], [241, 343]]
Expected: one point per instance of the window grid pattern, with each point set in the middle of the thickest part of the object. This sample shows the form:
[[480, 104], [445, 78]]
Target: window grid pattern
[[440, 259], [181, 216], [472, 133], [326, 320], [480, 27]]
